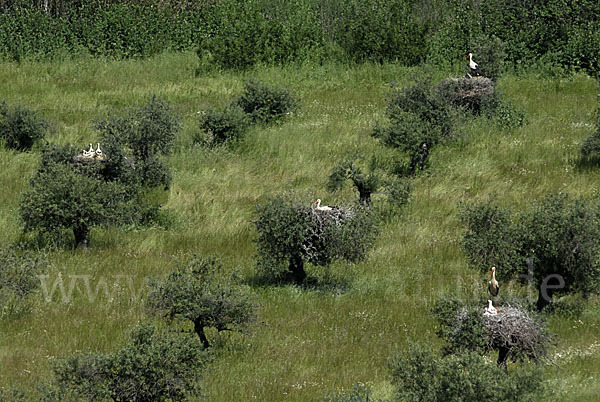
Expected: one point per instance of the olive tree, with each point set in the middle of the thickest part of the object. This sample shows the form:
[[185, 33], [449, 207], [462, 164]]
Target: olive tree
[[555, 244], [62, 196], [291, 233], [420, 117], [201, 292]]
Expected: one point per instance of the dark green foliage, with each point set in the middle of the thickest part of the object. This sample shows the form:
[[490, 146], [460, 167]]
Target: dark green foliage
[[135, 142], [291, 232], [488, 52], [419, 118], [397, 189], [222, 127], [421, 375], [557, 238], [18, 277], [115, 29], [154, 129], [21, 127], [461, 328], [63, 197], [265, 103], [233, 34], [242, 34], [504, 112], [200, 291], [151, 366], [562, 239], [513, 332], [492, 239]]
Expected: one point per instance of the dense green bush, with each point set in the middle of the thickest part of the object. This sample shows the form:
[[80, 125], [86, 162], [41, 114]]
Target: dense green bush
[[21, 127], [18, 278], [558, 238], [290, 232], [151, 366], [62, 196], [241, 34], [419, 118], [135, 142], [265, 103], [420, 375], [199, 291], [488, 52], [231, 34], [222, 127]]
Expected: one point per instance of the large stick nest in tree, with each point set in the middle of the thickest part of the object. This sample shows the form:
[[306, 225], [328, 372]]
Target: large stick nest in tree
[[468, 92], [515, 329]]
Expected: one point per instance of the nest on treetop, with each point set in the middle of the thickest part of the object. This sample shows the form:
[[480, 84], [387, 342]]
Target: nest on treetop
[[515, 329], [470, 93]]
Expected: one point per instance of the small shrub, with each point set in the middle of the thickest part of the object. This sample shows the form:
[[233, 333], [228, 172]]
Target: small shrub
[[420, 375], [152, 365], [18, 278], [222, 127], [199, 291], [264, 103], [503, 111], [21, 127], [155, 128], [513, 332]]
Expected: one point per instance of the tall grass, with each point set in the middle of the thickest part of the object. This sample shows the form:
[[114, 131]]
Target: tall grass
[[307, 342]]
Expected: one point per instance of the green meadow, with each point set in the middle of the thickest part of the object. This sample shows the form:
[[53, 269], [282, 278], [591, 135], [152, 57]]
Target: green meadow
[[307, 342]]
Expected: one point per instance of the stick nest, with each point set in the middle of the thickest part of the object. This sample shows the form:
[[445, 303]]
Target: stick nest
[[468, 92], [515, 329]]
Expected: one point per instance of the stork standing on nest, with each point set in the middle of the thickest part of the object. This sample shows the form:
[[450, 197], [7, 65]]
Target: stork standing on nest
[[493, 286], [473, 66]]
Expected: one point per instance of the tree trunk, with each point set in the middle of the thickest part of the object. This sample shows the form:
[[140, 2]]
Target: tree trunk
[[503, 356], [364, 197], [199, 329], [542, 300], [81, 233], [297, 269]]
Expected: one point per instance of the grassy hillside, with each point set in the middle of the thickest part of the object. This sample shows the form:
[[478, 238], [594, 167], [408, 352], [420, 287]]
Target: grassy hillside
[[307, 342]]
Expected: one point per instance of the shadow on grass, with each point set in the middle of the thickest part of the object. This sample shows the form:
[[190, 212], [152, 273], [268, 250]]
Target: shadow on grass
[[323, 281]]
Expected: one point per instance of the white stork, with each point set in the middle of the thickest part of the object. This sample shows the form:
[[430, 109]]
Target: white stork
[[318, 207], [89, 153], [474, 66], [493, 286], [490, 310], [98, 151]]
